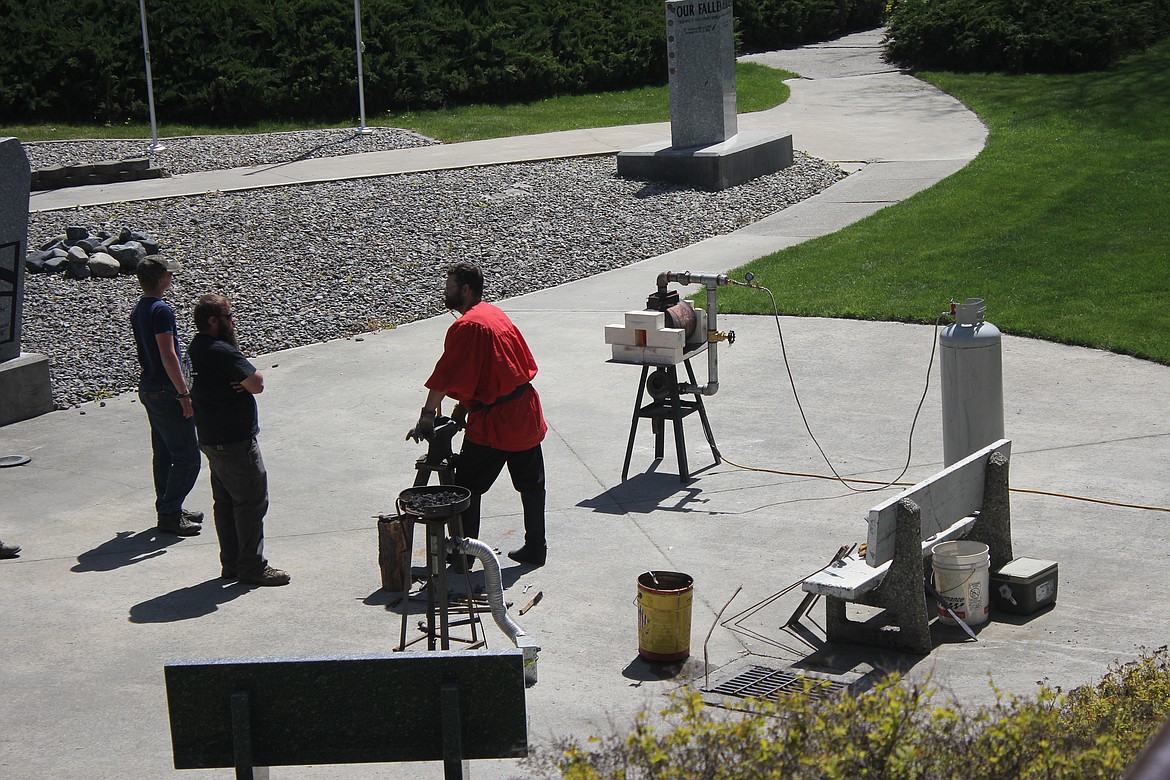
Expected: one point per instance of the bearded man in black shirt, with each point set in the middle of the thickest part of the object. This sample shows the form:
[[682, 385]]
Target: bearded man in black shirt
[[223, 393]]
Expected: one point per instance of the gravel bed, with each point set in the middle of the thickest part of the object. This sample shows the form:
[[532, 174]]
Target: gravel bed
[[189, 154], [311, 263]]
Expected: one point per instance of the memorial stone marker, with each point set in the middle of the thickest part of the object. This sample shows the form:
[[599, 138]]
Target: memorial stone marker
[[705, 150], [700, 55], [14, 172], [24, 378]]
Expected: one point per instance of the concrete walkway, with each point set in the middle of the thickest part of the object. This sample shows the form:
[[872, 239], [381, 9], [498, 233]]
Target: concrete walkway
[[98, 601]]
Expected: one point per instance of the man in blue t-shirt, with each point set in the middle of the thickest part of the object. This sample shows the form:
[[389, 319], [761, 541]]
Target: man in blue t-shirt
[[163, 391], [225, 385]]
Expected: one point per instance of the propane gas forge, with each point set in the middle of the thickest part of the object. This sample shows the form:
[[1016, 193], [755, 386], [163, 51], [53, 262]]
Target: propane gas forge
[[667, 332]]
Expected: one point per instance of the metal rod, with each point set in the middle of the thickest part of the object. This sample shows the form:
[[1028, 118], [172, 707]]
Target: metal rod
[[357, 26], [155, 146]]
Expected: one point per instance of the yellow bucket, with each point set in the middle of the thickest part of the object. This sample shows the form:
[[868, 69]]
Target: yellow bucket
[[664, 615]]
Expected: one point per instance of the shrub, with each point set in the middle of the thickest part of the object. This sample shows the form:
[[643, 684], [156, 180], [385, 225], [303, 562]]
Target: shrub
[[1022, 35], [896, 730], [774, 24], [234, 62]]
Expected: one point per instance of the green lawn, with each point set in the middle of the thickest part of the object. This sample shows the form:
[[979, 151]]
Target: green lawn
[[1062, 224], [757, 88]]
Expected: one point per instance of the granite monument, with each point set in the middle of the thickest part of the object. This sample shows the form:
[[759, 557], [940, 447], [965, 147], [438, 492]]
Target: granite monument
[[705, 149], [25, 390]]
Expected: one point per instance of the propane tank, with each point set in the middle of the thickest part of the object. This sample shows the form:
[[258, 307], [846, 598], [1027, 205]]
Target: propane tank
[[972, 382]]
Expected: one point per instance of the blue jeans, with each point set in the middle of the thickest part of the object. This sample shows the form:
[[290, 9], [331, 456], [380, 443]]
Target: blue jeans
[[239, 489], [176, 452]]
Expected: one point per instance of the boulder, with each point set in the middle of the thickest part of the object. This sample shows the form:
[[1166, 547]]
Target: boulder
[[52, 242], [35, 263], [104, 266], [55, 264], [129, 255], [77, 270], [78, 255], [76, 233]]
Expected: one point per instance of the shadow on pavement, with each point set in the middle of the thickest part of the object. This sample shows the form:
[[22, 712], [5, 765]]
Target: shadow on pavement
[[125, 548], [187, 603], [646, 493]]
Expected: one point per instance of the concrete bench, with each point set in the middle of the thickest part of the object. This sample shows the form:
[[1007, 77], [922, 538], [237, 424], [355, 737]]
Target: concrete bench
[[252, 714], [967, 499]]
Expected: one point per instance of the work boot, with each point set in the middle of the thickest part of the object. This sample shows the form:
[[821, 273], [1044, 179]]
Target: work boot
[[194, 517], [8, 550], [267, 576], [531, 555], [180, 527]]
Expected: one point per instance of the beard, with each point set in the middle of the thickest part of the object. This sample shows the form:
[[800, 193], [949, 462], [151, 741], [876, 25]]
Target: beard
[[227, 332], [452, 300]]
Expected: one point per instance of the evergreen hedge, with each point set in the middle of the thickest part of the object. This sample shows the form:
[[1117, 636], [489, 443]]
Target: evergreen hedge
[[233, 62], [774, 24], [1022, 36]]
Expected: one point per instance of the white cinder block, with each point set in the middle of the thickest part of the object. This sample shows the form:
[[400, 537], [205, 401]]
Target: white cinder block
[[620, 334], [663, 356], [667, 337], [645, 320], [624, 353]]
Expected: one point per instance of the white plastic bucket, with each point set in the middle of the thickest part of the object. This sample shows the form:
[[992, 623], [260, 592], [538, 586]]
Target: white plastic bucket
[[961, 577]]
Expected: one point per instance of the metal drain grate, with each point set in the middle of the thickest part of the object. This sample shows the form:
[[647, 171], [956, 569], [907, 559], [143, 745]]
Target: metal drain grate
[[762, 682]]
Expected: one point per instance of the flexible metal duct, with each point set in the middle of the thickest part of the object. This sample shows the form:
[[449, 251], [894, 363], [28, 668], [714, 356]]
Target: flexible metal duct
[[495, 594]]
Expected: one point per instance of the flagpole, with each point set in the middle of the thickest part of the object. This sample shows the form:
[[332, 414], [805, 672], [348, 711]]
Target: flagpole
[[155, 146], [361, 46]]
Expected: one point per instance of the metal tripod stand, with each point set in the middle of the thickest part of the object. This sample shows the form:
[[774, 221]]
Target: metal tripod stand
[[663, 386]]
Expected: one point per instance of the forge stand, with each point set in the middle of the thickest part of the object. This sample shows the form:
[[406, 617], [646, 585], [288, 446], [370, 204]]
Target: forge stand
[[437, 629], [663, 386], [440, 461]]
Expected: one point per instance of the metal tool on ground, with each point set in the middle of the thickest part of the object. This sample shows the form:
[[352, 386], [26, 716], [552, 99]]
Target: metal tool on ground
[[793, 624], [810, 599], [943, 603], [532, 602]]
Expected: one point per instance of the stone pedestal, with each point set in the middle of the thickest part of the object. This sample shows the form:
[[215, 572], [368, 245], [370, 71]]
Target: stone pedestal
[[25, 390], [705, 148], [741, 158]]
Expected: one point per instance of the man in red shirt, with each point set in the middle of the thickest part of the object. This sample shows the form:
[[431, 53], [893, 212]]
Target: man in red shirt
[[487, 367]]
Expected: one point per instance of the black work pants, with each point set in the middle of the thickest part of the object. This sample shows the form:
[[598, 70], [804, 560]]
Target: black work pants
[[239, 491], [477, 469]]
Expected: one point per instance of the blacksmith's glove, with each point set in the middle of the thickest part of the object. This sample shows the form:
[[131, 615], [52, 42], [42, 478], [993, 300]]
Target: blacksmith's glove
[[424, 428]]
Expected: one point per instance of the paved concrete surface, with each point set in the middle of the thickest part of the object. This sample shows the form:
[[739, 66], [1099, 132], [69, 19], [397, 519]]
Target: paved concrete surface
[[98, 601]]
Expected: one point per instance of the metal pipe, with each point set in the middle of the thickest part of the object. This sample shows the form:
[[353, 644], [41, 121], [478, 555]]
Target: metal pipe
[[710, 281], [495, 594]]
